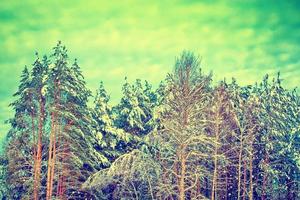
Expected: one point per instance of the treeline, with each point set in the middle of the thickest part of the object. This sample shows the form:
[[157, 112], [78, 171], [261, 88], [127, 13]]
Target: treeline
[[187, 139]]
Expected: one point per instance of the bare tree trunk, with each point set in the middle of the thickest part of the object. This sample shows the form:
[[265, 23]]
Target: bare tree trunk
[[50, 157], [52, 165], [245, 180], [181, 185], [226, 186], [215, 174], [239, 167], [35, 191], [52, 145], [251, 178], [37, 178], [251, 167], [60, 181]]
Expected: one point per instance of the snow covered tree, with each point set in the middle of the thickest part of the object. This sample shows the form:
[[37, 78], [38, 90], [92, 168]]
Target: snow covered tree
[[135, 111], [39, 72], [280, 163], [133, 175], [111, 140], [182, 140], [246, 108], [185, 140], [72, 155], [19, 143], [129, 114], [220, 126], [3, 177]]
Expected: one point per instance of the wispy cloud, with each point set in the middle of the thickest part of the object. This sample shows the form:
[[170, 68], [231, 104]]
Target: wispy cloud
[[140, 39]]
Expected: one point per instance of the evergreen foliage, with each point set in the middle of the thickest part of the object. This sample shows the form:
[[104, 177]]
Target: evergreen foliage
[[186, 139]]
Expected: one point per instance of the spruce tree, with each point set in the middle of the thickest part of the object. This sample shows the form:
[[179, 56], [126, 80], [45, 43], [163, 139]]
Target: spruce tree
[[39, 72], [20, 147], [111, 140], [72, 140], [281, 120], [130, 114]]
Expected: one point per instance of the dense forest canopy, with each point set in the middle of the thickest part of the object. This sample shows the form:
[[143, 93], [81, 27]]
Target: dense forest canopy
[[185, 139]]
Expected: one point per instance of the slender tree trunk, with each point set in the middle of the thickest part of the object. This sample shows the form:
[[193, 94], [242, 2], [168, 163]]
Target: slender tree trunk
[[251, 167], [50, 157], [226, 186], [37, 178], [62, 180], [239, 167], [60, 177], [35, 191], [251, 179], [52, 146], [245, 180], [181, 185], [215, 174], [53, 165]]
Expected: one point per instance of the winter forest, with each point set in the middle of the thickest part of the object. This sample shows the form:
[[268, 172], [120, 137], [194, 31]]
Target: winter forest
[[189, 138]]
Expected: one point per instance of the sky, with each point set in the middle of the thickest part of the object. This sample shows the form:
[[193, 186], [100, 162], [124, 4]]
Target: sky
[[112, 39]]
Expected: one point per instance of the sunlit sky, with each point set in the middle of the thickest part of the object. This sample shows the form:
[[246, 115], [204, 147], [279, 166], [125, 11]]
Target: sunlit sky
[[140, 39]]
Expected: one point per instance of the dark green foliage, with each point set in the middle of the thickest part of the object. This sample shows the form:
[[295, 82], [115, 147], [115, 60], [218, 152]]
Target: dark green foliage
[[135, 112], [110, 138]]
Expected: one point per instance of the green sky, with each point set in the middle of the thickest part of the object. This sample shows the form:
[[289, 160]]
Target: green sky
[[140, 39]]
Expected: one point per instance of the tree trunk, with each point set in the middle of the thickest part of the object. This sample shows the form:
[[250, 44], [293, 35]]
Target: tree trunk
[[245, 180], [63, 163], [52, 145], [35, 190], [50, 157], [215, 174], [181, 185], [226, 186], [37, 178], [251, 168], [239, 167]]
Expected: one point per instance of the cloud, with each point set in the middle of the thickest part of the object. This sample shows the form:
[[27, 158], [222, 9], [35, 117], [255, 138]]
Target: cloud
[[140, 39]]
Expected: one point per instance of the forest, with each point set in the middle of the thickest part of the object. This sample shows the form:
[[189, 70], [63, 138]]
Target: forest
[[188, 138]]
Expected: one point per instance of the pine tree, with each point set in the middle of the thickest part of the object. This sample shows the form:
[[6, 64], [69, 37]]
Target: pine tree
[[220, 127], [183, 142], [39, 71], [130, 114], [19, 148], [110, 138], [72, 140], [281, 120], [246, 109], [136, 109]]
